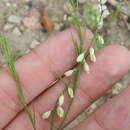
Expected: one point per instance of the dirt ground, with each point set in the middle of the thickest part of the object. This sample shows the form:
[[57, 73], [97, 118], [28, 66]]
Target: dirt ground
[[20, 22]]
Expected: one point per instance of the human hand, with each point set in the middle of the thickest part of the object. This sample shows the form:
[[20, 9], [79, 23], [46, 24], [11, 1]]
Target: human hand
[[57, 54]]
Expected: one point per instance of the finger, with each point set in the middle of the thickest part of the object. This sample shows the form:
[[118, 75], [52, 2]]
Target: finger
[[113, 115], [36, 72], [112, 63]]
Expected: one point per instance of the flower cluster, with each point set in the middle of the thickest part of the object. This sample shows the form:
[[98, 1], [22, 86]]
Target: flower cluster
[[80, 59], [60, 110], [103, 12]]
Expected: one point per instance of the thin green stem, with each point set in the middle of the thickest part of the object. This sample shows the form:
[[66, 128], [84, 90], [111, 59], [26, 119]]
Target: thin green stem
[[76, 77], [12, 69], [55, 105]]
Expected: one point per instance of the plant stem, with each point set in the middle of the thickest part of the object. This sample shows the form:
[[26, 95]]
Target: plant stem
[[77, 74], [12, 69]]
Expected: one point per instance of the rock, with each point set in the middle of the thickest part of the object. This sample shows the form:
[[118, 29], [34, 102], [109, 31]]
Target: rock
[[29, 4], [34, 44], [8, 27], [16, 31], [31, 20], [22, 28], [8, 4], [14, 19], [57, 26]]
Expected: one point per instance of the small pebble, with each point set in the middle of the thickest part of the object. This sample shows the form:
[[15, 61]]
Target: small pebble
[[8, 27], [93, 106], [57, 26], [16, 31], [29, 4], [34, 44], [115, 92], [31, 22], [8, 4], [22, 28], [14, 19]]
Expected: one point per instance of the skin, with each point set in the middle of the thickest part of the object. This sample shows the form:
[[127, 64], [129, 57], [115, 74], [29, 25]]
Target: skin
[[36, 71]]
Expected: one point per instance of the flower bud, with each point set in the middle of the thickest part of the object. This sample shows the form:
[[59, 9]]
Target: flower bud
[[46, 115], [80, 57], [70, 92], [92, 55], [60, 112], [68, 73], [61, 100], [86, 67]]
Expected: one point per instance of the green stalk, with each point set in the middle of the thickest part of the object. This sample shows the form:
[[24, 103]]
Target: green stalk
[[55, 105], [11, 65], [77, 74]]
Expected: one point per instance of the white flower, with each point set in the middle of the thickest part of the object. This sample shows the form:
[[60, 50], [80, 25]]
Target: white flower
[[60, 112], [91, 50], [80, 57], [46, 115], [68, 73], [93, 58], [86, 67], [70, 92], [100, 38], [92, 55], [102, 7], [105, 13], [61, 100], [99, 8], [102, 1]]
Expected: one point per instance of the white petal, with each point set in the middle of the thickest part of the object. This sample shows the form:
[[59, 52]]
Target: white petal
[[104, 7], [70, 92], [105, 13], [68, 73], [46, 115], [91, 50], [99, 8], [102, 1], [86, 67], [80, 57], [93, 58], [60, 112], [61, 100]]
